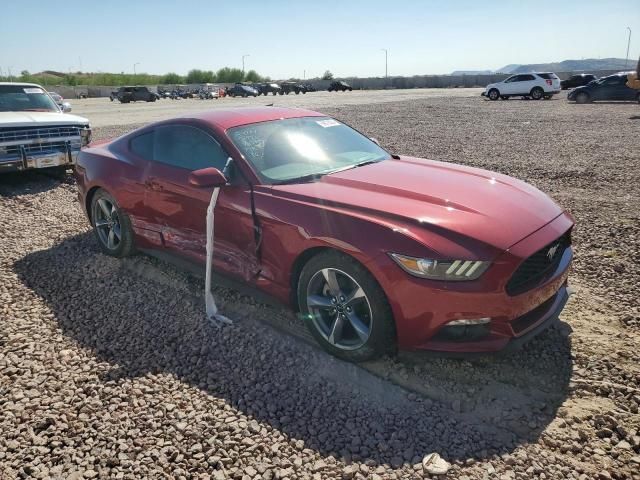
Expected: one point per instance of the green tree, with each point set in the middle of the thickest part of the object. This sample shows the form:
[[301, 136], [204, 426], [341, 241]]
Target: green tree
[[327, 75], [229, 75], [252, 76], [172, 79]]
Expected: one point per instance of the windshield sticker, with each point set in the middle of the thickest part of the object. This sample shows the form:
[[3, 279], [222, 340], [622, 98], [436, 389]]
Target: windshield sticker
[[33, 90], [328, 123]]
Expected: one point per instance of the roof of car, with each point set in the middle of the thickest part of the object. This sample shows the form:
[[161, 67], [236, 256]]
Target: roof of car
[[233, 117], [21, 84]]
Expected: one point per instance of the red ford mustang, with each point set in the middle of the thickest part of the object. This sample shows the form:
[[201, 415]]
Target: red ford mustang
[[377, 251]]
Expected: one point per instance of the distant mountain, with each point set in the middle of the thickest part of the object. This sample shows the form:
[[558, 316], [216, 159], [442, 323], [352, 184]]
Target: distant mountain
[[472, 72], [587, 64]]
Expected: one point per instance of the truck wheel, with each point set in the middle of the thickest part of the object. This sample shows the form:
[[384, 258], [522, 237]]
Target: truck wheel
[[494, 94]]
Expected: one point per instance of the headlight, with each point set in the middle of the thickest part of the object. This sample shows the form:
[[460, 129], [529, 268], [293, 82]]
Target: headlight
[[452, 270], [85, 133]]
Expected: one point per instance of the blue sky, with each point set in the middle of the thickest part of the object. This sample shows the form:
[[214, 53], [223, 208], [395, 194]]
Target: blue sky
[[285, 38]]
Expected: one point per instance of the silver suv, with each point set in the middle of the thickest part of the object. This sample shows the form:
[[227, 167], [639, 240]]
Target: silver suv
[[527, 85]]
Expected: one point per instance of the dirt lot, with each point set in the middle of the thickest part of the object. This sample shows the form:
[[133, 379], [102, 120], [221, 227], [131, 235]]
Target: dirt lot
[[109, 369]]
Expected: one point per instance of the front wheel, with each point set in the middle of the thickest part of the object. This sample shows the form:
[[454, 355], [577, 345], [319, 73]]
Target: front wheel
[[582, 98], [111, 226], [345, 308], [494, 94]]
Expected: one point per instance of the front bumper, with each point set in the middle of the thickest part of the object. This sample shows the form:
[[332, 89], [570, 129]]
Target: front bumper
[[28, 161], [423, 308]]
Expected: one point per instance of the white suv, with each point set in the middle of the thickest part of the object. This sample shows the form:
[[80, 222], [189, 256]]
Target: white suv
[[527, 85]]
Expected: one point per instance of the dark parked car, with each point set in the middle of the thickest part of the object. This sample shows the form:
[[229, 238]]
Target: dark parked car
[[134, 94], [377, 251], [241, 90], [339, 86], [267, 88], [577, 81], [293, 87], [613, 87]]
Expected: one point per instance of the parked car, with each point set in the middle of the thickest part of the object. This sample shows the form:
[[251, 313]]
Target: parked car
[[241, 90], [267, 88], [57, 98], [526, 85], [339, 86], [293, 87], [577, 80], [134, 94], [613, 87], [377, 251], [208, 94], [35, 132]]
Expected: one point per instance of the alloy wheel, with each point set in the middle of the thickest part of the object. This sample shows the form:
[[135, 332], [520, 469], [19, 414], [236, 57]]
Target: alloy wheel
[[107, 223], [339, 309]]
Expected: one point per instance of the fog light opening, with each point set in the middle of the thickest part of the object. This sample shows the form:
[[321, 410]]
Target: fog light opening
[[468, 321]]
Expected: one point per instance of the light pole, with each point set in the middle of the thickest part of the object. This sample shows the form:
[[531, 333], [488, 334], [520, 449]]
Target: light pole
[[626, 63], [243, 57], [134, 67], [386, 63]]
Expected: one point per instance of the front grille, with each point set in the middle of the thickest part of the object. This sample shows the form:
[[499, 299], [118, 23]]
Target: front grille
[[536, 268], [39, 148], [15, 135]]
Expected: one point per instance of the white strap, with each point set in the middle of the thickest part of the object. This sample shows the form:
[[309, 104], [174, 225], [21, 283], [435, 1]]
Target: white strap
[[210, 303]]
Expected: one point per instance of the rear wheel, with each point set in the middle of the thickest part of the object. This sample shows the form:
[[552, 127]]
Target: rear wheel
[[582, 98], [111, 225], [494, 94], [345, 308], [537, 93]]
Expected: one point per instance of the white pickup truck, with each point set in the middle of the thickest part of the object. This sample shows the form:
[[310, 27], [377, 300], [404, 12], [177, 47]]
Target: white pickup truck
[[35, 132]]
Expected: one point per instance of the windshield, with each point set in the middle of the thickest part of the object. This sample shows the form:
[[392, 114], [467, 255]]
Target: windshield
[[283, 151], [24, 98]]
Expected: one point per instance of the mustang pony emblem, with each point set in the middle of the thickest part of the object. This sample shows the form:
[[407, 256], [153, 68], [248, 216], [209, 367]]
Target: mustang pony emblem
[[552, 251]]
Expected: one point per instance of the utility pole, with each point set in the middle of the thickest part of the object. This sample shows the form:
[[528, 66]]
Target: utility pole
[[134, 67], [243, 57], [626, 63], [386, 63], [304, 74]]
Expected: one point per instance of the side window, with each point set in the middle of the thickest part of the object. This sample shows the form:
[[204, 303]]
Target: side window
[[526, 78], [142, 145], [511, 79], [187, 147]]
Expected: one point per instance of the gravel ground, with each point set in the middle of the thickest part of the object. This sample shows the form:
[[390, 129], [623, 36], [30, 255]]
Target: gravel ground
[[109, 369]]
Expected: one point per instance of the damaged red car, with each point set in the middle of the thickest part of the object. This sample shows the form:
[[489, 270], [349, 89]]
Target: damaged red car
[[377, 251]]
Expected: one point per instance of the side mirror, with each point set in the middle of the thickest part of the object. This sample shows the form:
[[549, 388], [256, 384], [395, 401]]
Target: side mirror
[[207, 177], [374, 140], [66, 107]]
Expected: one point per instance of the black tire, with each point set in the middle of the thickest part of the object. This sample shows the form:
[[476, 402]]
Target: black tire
[[537, 93], [124, 246], [494, 94], [381, 337], [582, 98]]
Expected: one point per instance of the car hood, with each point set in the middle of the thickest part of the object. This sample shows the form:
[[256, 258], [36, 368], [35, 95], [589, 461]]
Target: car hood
[[476, 204], [27, 119]]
